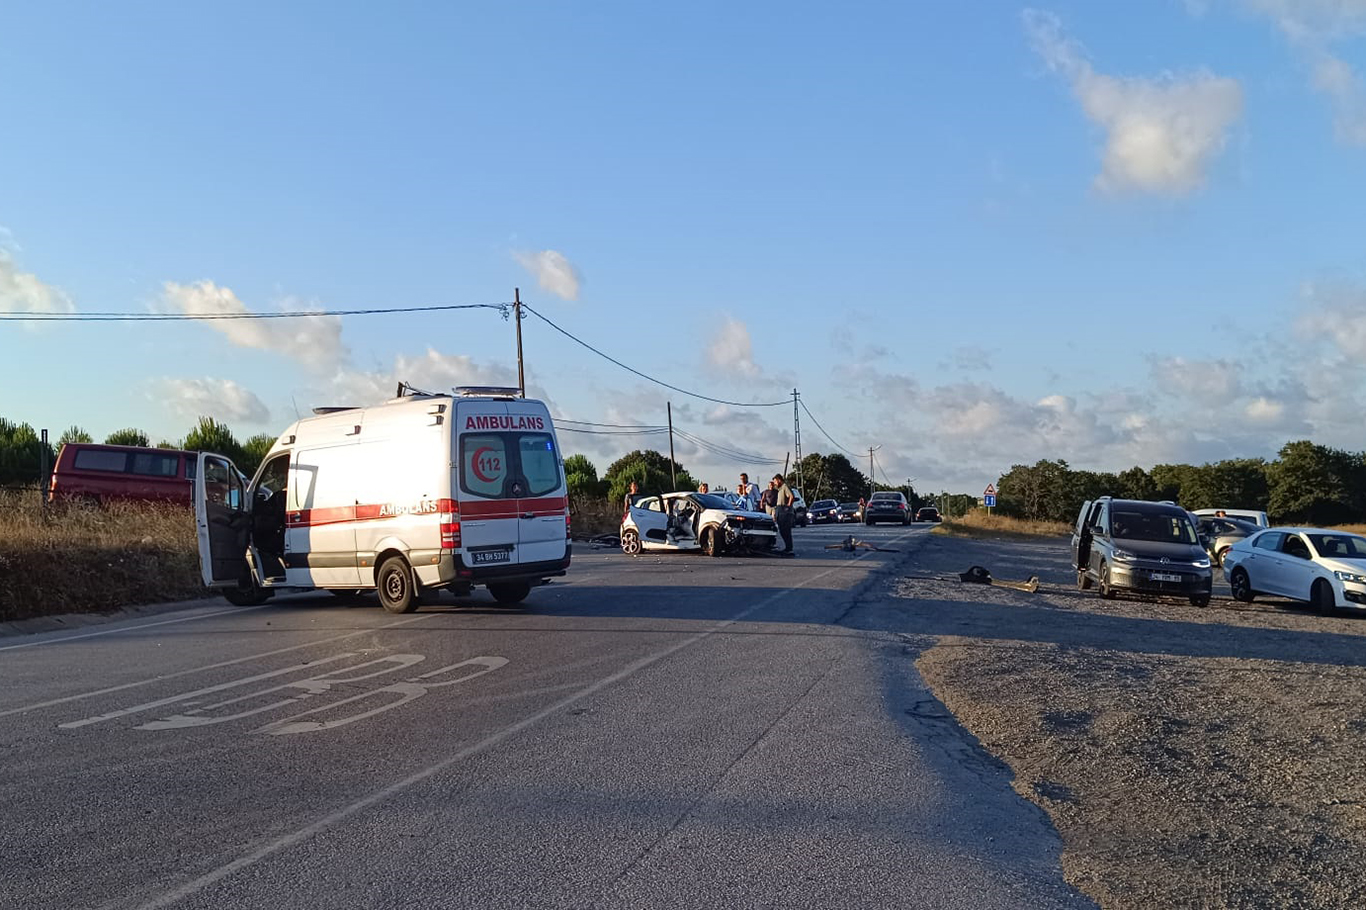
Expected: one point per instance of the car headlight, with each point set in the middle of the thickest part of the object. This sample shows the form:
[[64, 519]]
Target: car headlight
[[1201, 563], [1351, 576], [1123, 555]]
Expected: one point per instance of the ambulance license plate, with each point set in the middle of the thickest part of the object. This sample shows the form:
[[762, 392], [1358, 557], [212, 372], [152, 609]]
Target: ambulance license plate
[[482, 557], [1165, 576]]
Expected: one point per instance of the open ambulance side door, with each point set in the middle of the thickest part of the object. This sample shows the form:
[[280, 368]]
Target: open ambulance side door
[[222, 517]]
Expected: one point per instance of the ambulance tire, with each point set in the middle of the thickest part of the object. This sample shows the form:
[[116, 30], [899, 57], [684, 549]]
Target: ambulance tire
[[394, 582], [246, 594], [511, 592]]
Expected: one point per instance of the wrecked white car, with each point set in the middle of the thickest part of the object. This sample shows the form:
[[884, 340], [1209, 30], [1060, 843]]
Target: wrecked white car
[[695, 521]]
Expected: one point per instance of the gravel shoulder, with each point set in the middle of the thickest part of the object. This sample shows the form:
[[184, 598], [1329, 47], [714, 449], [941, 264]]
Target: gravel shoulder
[[1187, 756]]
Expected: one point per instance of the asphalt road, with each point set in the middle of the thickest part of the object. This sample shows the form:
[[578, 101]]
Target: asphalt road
[[666, 731]]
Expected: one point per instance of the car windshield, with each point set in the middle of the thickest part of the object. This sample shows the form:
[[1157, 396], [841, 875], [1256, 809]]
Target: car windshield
[[1339, 546], [1161, 527], [712, 501]]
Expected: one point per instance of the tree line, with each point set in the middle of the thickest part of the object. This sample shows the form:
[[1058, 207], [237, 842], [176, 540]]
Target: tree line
[[1306, 483], [22, 449]]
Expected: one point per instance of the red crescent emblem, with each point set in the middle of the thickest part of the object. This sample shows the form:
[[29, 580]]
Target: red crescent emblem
[[474, 465]]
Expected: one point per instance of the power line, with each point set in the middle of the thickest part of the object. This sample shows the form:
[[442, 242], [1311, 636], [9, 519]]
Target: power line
[[648, 378], [726, 451], [589, 432], [827, 435], [615, 426], [21, 316]]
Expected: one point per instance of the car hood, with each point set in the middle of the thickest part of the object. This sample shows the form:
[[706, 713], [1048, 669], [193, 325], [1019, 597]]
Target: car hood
[[740, 513], [1355, 566], [1154, 549]]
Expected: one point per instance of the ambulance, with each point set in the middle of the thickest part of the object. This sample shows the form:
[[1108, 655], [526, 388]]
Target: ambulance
[[423, 492]]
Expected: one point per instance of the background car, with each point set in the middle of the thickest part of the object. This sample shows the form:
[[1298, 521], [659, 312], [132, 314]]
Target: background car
[[1316, 565], [823, 510], [1144, 547], [799, 511], [1253, 517], [849, 511], [887, 505], [928, 513], [1218, 534]]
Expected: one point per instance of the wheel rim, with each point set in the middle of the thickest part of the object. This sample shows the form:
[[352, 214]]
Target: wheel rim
[[1239, 584], [394, 586], [630, 543]]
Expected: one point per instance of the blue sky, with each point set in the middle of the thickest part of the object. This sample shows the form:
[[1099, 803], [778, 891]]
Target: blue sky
[[973, 234]]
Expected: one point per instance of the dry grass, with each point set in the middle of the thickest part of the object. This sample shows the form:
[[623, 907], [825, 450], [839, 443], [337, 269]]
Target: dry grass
[[594, 517], [1351, 529], [978, 523], [73, 559]]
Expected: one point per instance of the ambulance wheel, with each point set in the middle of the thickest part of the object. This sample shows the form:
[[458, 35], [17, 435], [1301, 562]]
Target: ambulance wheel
[[395, 584], [512, 592]]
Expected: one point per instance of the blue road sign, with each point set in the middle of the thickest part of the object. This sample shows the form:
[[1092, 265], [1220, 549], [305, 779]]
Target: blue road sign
[[989, 501]]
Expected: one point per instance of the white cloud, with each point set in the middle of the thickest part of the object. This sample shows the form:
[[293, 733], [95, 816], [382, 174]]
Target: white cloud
[[731, 350], [1313, 28], [1162, 133], [1264, 410], [1336, 315], [552, 271], [314, 341], [431, 371], [24, 292], [1212, 380], [221, 399]]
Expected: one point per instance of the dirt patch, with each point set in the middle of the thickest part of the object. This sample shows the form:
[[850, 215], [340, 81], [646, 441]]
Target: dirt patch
[[1188, 757]]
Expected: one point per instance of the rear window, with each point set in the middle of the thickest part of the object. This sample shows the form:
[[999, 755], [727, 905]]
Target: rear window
[[878, 496], [101, 460], [493, 464]]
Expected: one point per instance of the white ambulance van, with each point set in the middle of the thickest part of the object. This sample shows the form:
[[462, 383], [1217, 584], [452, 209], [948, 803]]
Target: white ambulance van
[[422, 492]]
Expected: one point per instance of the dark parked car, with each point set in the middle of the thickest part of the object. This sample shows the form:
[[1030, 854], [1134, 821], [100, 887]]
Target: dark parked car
[[823, 510], [99, 473], [928, 513], [849, 511], [887, 506], [1144, 547], [1218, 534]]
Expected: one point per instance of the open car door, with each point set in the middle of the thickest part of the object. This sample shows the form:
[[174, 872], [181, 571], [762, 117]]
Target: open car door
[[222, 519], [650, 520]]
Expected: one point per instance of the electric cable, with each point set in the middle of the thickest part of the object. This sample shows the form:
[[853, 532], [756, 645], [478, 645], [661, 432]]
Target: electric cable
[[24, 316], [824, 433], [647, 377]]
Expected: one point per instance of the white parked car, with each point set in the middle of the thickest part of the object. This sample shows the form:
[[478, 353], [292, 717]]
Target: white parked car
[[694, 521], [1248, 515], [1322, 567]]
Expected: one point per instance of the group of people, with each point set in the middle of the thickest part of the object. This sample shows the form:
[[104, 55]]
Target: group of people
[[778, 501]]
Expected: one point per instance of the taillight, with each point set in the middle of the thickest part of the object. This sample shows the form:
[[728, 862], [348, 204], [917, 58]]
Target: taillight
[[567, 524], [449, 516]]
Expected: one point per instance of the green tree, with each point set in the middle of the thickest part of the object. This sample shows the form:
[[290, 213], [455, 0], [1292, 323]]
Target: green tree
[[1135, 483], [581, 477], [649, 469], [254, 452], [1046, 491], [74, 434], [211, 436], [829, 477], [21, 454], [1313, 484], [128, 436]]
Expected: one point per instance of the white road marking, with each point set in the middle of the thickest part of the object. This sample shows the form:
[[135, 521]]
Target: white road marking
[[146, 625], [209, 690], [199, 883], [226, 663]]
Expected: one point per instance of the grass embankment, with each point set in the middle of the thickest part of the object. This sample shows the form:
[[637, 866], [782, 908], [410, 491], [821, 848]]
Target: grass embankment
[[592, 518], [979, 524], [73, 559]]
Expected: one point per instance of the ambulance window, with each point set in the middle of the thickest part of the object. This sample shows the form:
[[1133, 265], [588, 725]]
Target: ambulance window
[[483, 464], [540, 463]]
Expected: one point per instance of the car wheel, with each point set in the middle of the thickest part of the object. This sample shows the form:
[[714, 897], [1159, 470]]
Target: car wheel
[[1083, 580], [512, 592], [1322, 598], [630, 542], [1219, 557], [710, 544], [1241, 586], [395, 583], [1106, 591], [1200, 600]]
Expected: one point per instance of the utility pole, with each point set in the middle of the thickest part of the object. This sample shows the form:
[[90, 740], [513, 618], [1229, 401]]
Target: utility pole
[[872, 474], [673, 465], [797, 438], [517, 317]]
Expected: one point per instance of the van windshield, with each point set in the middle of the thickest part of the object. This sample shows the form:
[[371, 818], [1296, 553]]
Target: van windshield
[[1159, 527], [509, 465]]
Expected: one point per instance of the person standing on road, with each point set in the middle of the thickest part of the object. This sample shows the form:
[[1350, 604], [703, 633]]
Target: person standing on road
[[750, 491], [632, 494], [783, 512]]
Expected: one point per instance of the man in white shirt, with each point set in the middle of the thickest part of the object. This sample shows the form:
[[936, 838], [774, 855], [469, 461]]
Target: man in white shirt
[[750, 492]]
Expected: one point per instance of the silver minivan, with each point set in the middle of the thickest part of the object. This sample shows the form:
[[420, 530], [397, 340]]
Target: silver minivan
[[1141, 547]]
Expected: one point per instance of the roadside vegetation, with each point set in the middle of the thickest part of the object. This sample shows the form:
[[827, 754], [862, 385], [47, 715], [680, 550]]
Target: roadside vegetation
[[978, 523], [76, 559]]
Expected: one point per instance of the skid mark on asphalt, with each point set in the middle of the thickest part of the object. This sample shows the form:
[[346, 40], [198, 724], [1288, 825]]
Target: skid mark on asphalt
[[274, 698]]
